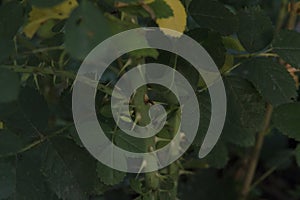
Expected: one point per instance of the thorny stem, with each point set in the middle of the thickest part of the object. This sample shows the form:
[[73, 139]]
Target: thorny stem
[[45, 49], [50, 71]]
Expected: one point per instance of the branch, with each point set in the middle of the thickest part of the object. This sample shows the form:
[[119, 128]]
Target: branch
[[260, 137], [256, 153], [37, 142], [51, 71], [293, 15]]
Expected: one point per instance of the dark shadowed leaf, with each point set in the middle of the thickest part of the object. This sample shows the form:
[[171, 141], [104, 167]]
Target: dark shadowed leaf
[[11, 18], [161, 9], [287, 45], [297, 154], [245, 111], [70, 171], [34, 107], [212, 42], [85, 29], [10, 143], [7, 179], [255, 29], [108, 175], [6, 48], [213, 15], [45, 3], [218, 157], [271, 79], [9, 85], [22, 177], [286, 118]]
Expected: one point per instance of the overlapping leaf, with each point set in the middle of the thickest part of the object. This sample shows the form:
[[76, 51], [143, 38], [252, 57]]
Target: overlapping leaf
[[83, 32], [287, 45], [255, 29], [286, 118], [213, 15], [245, 111], [9, 85], [271, 79]]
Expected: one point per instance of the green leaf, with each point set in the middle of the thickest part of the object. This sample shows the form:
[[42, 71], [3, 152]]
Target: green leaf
[[167, 183], [108, 175], [69, 169], [45, 30], [245, 112], [205, 115], [105, 111], [23, 179], [11, 18], [275, 150], [188, 71], [297, 154], [30, 183], [7, 179], [6, 48], [9, 85], [212, 186], [116, 26], [34, 107], [271, 79], [287, 45], [282, 159], [212, 42], [100, 188], [45, 3], [167, 194], [286, 118], [142, 53], [10, 143], [28, 116], [136, 185], [213, 15], [255, 29], [232, 43], [127, 1], [130, 143], [218, 157], [85, 29], [135, 10], [161, 9]]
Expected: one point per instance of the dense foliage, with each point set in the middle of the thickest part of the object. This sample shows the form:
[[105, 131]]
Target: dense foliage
[[254, 43]]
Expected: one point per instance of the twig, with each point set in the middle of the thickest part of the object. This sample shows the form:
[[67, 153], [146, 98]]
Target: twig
[[260, 138], [263, 54], [45, 49], [293, 15], [263, 177], [256, 153], [37, 142], [282, 15]]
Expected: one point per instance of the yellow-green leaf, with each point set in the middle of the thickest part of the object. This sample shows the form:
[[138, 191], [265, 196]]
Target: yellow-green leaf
[[38, 16], [176, 22]]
